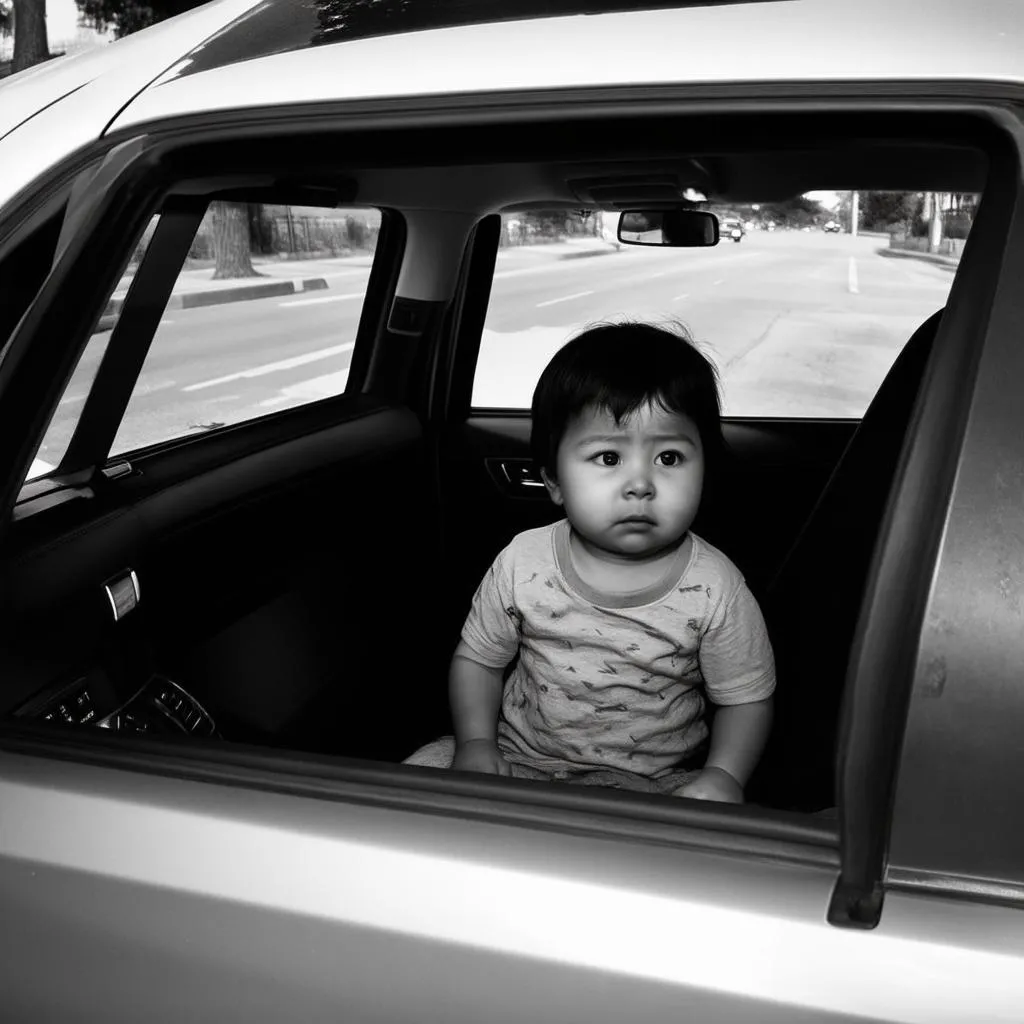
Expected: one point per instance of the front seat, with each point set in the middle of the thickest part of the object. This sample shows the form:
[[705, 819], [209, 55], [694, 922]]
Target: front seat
[[812, 604]]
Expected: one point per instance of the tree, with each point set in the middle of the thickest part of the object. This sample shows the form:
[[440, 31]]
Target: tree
[[887, 211], [232, 223], [797, 212], [26, 20], [232, 241], [128, 16]]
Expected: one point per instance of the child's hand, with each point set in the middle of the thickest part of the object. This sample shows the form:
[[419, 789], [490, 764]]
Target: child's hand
[[712, 784], [480, 756]]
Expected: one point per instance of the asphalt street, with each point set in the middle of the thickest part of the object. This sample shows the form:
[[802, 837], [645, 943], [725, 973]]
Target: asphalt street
[[801, 324]]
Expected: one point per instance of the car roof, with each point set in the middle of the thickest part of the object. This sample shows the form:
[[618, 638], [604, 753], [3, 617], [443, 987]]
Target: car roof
[[130, 63], [55, 108], [214, 60], [670, 45]]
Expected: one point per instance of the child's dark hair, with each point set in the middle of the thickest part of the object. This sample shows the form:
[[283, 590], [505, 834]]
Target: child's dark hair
[[621, 367]]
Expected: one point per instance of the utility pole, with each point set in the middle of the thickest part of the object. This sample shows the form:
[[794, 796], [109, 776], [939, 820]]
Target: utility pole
[[854, 212], [935, 227]]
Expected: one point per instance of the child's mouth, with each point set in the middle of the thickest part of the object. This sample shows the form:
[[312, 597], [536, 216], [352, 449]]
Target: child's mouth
[[637, 521]]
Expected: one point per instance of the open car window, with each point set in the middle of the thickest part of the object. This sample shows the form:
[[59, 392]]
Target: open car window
[[802, 320]]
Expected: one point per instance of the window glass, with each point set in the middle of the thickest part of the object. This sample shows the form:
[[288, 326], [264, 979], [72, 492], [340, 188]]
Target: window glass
[[263, 317], [802, 316]]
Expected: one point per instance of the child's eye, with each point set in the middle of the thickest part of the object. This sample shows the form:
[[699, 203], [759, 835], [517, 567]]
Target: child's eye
[[671, 458], [607, 458]]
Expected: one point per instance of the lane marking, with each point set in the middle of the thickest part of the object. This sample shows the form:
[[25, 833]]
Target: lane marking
[[283, 364], [166, 321], [679, 298], [328, 298], [689, 269], [327, 386], [565, 298], [148, 389], [719, 281], [852, 276]]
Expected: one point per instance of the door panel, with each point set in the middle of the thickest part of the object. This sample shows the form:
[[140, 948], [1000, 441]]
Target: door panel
[[361, 913], [160, 911], [269, 585]]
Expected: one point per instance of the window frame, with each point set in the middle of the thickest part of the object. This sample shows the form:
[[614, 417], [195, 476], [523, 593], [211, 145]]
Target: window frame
[[132, 334], [959, 712]]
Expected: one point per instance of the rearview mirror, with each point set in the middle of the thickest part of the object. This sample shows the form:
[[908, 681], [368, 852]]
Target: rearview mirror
[[668, 227]]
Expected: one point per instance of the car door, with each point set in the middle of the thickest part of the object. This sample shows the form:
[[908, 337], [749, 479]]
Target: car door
[[946, 875], [208, 458]]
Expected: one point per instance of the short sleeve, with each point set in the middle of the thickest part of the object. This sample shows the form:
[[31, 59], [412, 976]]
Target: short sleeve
[[491, 630], [736, 657]]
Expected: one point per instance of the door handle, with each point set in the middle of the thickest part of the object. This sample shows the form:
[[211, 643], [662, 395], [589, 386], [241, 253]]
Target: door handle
[[517, 476]]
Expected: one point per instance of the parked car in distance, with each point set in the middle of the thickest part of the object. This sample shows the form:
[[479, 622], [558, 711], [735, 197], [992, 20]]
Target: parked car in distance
[[832, 225]]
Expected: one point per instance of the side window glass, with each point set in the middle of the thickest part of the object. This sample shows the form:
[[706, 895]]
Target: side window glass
[[262, 318], [802, 317]]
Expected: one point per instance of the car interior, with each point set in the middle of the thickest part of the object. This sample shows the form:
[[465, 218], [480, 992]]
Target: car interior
[[297, 583]]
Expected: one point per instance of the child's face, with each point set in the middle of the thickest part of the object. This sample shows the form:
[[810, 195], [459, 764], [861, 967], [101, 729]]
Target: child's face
[[630, 489]]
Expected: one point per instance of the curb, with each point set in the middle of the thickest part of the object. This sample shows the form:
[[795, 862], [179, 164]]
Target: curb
[[216, 296], [928, 257], [538, 253]]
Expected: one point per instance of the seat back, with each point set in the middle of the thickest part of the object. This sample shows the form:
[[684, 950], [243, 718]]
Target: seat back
[[812, 604]]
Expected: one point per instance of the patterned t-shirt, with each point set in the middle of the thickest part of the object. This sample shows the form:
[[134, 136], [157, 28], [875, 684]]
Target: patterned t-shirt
[[615, 680]]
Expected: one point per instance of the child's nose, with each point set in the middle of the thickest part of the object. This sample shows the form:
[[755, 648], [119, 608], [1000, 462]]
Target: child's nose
[[640, 483]]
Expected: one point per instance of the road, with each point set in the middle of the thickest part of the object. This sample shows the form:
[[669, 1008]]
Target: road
[[802, 324]]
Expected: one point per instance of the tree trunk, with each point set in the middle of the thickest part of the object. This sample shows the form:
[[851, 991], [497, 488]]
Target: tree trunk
[[30, 43], [231, 241]]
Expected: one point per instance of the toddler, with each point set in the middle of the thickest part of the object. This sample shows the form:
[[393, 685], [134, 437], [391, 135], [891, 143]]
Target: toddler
[[620, 621]]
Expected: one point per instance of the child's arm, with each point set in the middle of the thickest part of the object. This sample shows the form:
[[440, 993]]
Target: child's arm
[[475, 691], [738, 736], [739, 675]]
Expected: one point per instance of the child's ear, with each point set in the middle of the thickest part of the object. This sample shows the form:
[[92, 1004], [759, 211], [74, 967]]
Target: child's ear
[[554, 491]]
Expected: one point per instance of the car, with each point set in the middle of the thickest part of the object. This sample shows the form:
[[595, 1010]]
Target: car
[[831, 226], [732, 229], [277, 280]]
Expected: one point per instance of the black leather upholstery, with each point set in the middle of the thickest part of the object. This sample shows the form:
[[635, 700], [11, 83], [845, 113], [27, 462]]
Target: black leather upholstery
[[812, 604]]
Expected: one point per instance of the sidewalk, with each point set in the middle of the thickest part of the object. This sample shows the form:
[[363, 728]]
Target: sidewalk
[[277, 277], [572, 248], [909, 254]]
